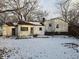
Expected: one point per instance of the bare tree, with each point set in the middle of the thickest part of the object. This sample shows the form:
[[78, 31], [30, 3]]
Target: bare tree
[[39, 15], [68, 10], [64, 7], [21, 8], [24, 9], [17, 7], [69, 13]]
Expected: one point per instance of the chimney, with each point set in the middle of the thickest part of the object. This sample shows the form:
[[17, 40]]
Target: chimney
[[43, 20]]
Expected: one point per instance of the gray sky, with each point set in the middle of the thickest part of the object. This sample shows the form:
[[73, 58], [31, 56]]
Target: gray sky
[[50, 7]]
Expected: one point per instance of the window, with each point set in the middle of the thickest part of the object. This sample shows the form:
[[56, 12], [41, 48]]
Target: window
[[57, 26], [50, 25], [24, 28], [40, 28]]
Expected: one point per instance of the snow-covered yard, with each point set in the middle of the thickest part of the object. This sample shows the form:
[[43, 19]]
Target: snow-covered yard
[[55, 47]]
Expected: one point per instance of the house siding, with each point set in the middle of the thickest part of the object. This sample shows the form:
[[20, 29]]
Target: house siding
[[63, 26], [24, 33], [7, 30], [39, 32], [47, 27], [27, 33]]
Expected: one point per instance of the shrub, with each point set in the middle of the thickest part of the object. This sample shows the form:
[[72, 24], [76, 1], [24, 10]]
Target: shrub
[[35, 35]]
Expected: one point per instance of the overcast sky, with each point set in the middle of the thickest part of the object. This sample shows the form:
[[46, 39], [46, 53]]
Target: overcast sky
[[50, 7]]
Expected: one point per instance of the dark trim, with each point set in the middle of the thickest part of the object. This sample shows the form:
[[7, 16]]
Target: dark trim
[[56, 33]]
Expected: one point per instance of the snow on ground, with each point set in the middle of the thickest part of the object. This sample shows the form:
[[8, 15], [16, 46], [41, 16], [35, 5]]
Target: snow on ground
[[40, 48]]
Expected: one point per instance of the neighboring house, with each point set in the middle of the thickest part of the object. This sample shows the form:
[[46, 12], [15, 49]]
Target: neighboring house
[[56, 25], [22, 29]]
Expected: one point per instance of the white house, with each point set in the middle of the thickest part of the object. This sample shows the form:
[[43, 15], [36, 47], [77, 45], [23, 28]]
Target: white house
[[49, 26], [30, 28], [56, 25], [23, 29], [39, 29]]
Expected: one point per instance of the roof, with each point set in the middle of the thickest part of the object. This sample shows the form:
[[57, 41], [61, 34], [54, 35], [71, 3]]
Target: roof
[[36, 23], [57, 18], [24, 23], [9, 23]]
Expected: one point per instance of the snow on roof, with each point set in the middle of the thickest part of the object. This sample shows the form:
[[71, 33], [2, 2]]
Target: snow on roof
[[36, 23], [25, 23]]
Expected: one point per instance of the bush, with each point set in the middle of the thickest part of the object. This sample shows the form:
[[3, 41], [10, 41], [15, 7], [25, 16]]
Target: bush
[[35, 35]]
